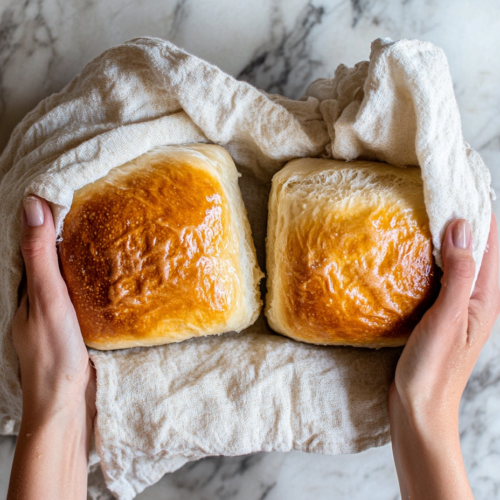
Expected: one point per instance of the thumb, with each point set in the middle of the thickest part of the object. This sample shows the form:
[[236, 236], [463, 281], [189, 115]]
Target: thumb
[[459, 271], [39, 252]]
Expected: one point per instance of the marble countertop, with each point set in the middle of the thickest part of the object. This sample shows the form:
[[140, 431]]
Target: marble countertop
[[279, 46]]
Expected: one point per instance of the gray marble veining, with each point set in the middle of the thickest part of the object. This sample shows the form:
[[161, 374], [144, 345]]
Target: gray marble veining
[[279, 46], [285, 64]]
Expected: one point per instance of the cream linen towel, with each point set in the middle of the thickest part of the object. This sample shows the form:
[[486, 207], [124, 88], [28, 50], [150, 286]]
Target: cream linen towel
[[238, 393]]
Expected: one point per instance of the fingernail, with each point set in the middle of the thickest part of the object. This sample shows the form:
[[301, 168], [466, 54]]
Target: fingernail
[[33, 210], [461, 234]]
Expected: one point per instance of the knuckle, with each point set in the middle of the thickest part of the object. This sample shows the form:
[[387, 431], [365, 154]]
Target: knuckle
[[33, 248], [463, 266]]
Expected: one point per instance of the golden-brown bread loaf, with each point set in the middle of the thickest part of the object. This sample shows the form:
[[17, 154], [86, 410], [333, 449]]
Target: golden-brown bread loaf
[[160, 250], [349, 253]]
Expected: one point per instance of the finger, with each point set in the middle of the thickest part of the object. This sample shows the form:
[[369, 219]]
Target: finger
[[458, 275], [39, 252], [486, 288]]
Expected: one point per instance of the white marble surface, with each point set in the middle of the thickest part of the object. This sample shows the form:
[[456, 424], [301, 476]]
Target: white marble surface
[[280, 46]]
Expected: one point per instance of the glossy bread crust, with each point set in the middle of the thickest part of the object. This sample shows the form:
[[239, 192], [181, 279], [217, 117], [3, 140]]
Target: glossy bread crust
[[160, 250], [349, 253]]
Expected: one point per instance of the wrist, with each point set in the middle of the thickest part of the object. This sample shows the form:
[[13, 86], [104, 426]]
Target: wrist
[[52, 449], [40, 409], [46, 396], [429, 422], [426, 448], [72, 419]]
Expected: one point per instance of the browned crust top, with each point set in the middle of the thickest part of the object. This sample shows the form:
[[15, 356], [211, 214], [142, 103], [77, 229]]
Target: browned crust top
[[148, 246]]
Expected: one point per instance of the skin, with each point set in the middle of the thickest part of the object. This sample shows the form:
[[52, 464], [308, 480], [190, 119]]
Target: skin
[[434, 368], [58, 380]]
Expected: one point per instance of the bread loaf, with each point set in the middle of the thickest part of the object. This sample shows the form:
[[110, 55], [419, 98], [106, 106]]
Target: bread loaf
[[349, 253], [160, 250]]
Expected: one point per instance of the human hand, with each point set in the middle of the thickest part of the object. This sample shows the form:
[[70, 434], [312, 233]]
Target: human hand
[[434, 368], [55, 365], [57, 378]]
